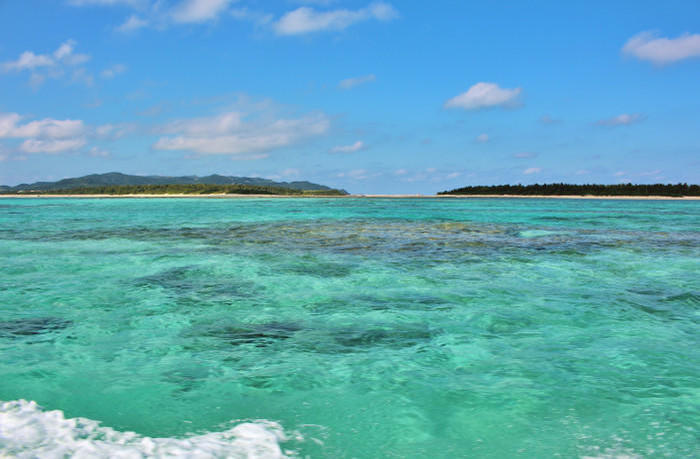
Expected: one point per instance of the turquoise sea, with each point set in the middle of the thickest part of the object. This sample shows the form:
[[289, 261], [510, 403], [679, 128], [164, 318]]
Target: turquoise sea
[[349, 328]]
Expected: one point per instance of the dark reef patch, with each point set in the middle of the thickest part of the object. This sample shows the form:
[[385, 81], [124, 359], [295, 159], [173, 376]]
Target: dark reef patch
[[190, 281], [259, 335], [32, 326]]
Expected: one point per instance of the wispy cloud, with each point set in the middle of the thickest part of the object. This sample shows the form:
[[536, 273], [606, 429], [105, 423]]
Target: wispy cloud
[[113, 71], [357, 146], [51, 145], [484, 95], [132, 24], [160, 14], [307, 20], [546, 119], [98, 152], [197, 11], [231, 133], [532, 170], [132, 3], [358, 174], [621, 120], [525, 154], [482, 138], [63, 61], [349, 83], [661, 50]]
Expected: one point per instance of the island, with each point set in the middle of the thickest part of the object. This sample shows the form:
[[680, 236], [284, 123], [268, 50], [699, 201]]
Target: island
[[570, 190], [117, 184]]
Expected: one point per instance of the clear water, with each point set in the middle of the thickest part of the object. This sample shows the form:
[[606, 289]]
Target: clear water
[[350, 327]]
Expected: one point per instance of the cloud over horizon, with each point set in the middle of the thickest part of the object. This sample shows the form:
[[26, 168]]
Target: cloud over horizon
[[43, 136], [232, 134]]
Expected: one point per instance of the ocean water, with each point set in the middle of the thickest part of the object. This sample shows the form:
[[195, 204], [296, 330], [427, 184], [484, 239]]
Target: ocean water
[[349, 328]]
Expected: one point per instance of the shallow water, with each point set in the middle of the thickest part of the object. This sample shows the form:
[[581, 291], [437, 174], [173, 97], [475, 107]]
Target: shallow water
[[350, 327]]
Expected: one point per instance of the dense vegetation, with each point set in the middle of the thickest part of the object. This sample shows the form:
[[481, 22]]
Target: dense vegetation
[[565, 189], [195, 189], [118, 179]]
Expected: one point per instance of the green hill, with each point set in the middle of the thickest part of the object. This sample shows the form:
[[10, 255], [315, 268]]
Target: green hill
[[116, 179]]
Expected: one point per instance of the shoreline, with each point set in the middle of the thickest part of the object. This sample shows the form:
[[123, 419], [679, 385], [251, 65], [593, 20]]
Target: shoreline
[[350, 196]]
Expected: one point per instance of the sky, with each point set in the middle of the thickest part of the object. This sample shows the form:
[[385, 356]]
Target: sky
[[369, 96]]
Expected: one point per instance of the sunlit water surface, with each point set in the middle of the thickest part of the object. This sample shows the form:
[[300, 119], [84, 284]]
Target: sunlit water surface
[[350, 327]]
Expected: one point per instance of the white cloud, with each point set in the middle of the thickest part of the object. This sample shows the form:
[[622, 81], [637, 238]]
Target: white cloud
[[198, 10], [82, 76], [358, 174], [44, 136], [532, 170], [453, 175], [525, 154], [65, 55], [114, 131], [306, 20], [230, 134], [160, 14], [316, 2], [259, 18], [621, 120], [132, 24], [28, 61], [349, 83], [400, 172], [51, 145], [650, 173], [291, 172], [133, 3], [10, 127], [546, 119], [660, 50], [484, 95], [52, 65], [98, 152], [357, 146], [482, 138], [113, 71]]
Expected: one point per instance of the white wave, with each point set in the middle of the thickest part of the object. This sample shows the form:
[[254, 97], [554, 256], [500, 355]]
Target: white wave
[[27, 431]]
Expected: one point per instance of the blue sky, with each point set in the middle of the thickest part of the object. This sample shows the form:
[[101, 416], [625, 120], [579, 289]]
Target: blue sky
[[373, 97]]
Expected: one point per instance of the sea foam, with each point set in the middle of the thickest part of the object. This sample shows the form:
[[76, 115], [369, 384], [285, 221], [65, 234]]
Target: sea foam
[[26, 430]]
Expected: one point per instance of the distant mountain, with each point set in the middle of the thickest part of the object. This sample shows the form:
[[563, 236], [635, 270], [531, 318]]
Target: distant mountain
[[117, 179]]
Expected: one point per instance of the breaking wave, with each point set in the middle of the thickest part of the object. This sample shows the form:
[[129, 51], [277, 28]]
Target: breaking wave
[[26, 430]]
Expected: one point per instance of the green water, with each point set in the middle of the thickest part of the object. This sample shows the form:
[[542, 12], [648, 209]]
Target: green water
[[364, 328]]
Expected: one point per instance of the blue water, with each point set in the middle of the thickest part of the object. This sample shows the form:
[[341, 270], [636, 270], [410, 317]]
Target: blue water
[[350, 327]]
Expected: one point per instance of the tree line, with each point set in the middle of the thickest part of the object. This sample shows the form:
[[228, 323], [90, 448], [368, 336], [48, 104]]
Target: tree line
[[566, 189]]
